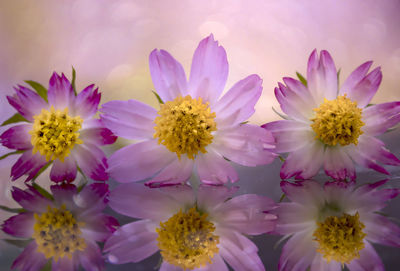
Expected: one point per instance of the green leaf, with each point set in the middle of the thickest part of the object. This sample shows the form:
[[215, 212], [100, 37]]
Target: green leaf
[[18, 242], [301, 78], [244, 122], [80, 187], [10, 153], [282, 158], [47, 266], [338, 74], [12, 210], [41, 171], [158, 97], [42, 191], [279, 114], [17, 117], [41, 90], [73, 80], [282, 197]]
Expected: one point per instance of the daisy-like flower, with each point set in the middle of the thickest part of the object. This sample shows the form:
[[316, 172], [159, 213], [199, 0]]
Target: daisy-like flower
[[61, 131], [333, 225], [194, 127], [64, 227], [191, 232], [330, 126]]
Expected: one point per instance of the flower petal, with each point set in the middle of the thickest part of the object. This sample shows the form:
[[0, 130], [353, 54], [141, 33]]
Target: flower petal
[[87, 102], [63, 171], [30, 199], [132, 242], [20, 225], [129, 119], [381, 230], [381, 117], [91, 258], [217, 264], [99, 227], [177, 172], [320, 264], [139, 201], [338, 165], [308, 193], [214, 169], [294, 217], [303, 163], [66, 264], [237, 105], [27, 102], [165, 266], [92, 160], [322, 77], [17, 137], [97, 134], [360, 87], [168, 76], [290, 135], [30, 259], [248, 145], [210, 196], [29, 164], [139, 161], [61, 93], [369, 260], [209, 71]]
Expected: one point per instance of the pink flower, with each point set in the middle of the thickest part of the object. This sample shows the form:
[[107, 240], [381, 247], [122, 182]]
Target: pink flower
[[64, 229], [196, 233], [193, 128], [332, 127], [334, 225], [62, 132]]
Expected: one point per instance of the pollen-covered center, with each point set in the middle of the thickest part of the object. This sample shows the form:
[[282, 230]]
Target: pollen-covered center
[[338, 121], [184, 126], [57, 233], [340, 238], [186, 239], [55, 133]]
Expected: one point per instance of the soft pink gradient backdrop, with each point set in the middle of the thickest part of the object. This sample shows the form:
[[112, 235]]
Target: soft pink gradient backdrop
[[108, 43]]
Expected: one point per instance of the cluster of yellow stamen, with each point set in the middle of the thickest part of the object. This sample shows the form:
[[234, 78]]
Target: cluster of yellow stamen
[[184, 126], [186, 239], [340, 238], [55, 133], [338, 121], [57, 233]]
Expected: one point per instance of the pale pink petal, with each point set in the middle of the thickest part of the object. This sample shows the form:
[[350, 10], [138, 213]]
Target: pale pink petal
[[322, 77], [129, 119], [362, 89], [214, 169], [239, 252], [369, 260], [66, 264], [86, 102], [91, 258], [27, 164], [30, 259], [99, 227], [61, 93], [20, 225], [97, 135], [320, 264], [355, 77], [27, 102], [168, 76], [91, 160], [381, 117], [210, 197], [139, 201], [237, 105], [308, 193], [294, 217], [17, 137], [304, 163], [246, 214], [132, 242], [63, 194], [298, 253], [248, 145], [63, 171], [295, 99], [290, 135], [177, 172], [217, 264], [209, 71], [338, 165], [165, 266], [139, 161], [381, 230], [30, 199]]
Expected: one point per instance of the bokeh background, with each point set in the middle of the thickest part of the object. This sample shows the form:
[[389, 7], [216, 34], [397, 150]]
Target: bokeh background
[[108, 43]]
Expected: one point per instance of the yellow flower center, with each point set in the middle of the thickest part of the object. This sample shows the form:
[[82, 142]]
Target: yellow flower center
[[184, 126], [338, 121], [340, 238], [186, 239], [55, 133], [57, 233]]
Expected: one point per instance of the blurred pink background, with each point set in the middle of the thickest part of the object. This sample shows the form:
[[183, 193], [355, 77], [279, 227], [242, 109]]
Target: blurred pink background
[[108, 43]]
